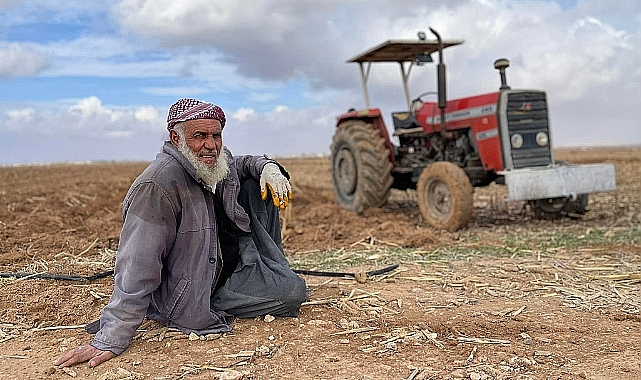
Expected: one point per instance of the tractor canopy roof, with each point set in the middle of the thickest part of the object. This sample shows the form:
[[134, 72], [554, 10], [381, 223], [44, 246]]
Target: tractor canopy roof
[[401, 50]]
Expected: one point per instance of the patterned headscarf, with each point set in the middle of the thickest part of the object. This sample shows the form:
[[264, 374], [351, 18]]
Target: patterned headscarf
[[190, 109]]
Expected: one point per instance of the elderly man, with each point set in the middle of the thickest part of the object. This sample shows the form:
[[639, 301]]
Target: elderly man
[[200, 242]]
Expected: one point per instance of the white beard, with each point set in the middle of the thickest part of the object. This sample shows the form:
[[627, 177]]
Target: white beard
[[211, 176]]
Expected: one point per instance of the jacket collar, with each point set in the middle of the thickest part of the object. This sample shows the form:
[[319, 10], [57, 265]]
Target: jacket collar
[[171, 150]]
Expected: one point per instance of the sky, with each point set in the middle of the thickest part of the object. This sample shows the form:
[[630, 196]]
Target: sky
[[92, 80]]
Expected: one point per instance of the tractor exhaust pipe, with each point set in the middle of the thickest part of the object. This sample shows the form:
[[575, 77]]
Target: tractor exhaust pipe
[[501, 64], [442, 96]]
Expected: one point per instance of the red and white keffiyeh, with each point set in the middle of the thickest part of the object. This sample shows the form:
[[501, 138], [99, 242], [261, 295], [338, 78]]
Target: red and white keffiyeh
[[189, 109]]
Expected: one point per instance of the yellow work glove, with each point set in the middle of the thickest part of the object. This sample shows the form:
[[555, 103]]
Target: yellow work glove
[[271, 178]]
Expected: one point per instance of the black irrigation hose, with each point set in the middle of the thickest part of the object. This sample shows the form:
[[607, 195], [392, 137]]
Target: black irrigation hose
[[49, 276], [97, 276], [345, 274]]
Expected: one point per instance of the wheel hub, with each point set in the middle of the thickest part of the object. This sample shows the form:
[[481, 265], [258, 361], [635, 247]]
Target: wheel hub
[[346, 173], [439, 198]]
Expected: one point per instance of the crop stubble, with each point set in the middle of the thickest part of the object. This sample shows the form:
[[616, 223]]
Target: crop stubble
[[507, 297]]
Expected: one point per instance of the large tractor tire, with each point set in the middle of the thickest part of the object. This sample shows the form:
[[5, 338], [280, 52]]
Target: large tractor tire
[[445, 196], [556, 208], [361, 169]]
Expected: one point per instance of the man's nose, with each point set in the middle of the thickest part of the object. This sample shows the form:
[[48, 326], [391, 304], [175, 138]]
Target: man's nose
[[210, 143]]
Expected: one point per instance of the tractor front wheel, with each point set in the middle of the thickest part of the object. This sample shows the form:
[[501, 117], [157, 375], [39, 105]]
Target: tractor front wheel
[[445, 196], [361, 169]]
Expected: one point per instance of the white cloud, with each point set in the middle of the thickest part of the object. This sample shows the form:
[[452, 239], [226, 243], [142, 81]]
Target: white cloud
[[563, 51], [18, 60], [240, 45], [570, 54], [278, 66], [243, 114], [323, 121], [17, 119], [281, 109], [115, 57], [88, 107], [587, 57], [199, 20], [148, 114], [268, 39], [620, 37], [86, 117], [22, 115], [118, 134], [93, 47], [282, 132], [86, 130]]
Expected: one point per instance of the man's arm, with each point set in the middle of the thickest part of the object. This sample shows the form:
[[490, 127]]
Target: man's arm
[[272, 176], [148, 232], [252, 166]]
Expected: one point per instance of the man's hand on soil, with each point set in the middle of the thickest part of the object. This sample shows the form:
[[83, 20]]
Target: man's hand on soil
[[83, 354], [271, 178]]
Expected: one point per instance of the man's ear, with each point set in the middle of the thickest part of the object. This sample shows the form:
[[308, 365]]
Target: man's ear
[[174, 137]]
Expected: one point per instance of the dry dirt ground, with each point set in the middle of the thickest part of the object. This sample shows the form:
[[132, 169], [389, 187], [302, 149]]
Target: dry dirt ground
[[508, 297]]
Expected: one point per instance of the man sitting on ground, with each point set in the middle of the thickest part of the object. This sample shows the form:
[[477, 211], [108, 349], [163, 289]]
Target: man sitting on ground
[[200, 242]]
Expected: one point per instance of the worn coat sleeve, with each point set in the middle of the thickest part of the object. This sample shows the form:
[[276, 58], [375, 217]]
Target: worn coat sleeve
[[252, 166], [147, 235]]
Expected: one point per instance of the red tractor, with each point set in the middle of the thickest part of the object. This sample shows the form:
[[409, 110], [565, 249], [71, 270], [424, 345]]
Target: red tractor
[[448, 147]]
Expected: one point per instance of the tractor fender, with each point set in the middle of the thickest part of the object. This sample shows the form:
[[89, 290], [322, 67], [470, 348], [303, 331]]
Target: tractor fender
[[370, 116]]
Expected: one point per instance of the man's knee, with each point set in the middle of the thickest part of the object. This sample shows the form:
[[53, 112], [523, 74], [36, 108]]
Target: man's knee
[[251, 198], [250, 186], [297, 296]]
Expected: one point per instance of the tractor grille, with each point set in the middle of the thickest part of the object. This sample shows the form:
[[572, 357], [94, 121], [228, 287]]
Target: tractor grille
[[527, 115]]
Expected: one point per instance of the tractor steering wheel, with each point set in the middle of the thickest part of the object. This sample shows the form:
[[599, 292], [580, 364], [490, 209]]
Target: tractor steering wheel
[[417, 103], [419, 98]]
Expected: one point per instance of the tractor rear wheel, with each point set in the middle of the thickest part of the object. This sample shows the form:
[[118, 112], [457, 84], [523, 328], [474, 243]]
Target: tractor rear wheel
[[445, 196], [361, 169]]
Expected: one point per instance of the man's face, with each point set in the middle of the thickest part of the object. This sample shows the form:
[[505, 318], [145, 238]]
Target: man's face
[[204, 139]]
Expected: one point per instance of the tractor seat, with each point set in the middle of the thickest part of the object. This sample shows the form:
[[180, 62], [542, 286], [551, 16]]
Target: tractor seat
[[404, 123]]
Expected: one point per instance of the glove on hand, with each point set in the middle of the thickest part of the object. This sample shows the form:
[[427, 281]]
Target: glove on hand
[[278, 186]]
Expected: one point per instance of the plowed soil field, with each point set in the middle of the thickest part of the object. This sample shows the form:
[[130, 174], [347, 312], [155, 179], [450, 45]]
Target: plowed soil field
[[508, 297]]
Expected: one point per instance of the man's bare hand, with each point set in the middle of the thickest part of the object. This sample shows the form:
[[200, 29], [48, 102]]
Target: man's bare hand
[[83, 354]]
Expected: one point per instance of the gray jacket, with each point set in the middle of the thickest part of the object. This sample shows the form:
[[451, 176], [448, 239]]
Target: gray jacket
[[169, 255]]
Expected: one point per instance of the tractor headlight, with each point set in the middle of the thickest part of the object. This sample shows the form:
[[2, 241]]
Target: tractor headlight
[[516, 140], [542, 138]]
